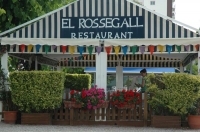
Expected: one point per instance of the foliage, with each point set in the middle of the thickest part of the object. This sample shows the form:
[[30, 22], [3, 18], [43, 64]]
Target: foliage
[[90, 99], [173, 93], [75, 96], [46, 68], [2, 11], [35, 91], [5, 95], [128, 83], [195, 109], [73, 70], [110, 79], [121, 98], [78, 81], [194, 68], [14, 13], [3, 79]]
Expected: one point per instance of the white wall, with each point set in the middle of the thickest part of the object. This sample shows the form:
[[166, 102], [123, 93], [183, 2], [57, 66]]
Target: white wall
[[160, 6]]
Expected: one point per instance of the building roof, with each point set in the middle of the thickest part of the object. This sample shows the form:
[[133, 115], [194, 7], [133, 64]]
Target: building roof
[[45, 34]]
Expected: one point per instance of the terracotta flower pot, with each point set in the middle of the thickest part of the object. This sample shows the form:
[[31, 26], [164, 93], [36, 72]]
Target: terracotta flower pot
[[10, 116], [105, 104], [127, 106], [194, 121], [71, 104]]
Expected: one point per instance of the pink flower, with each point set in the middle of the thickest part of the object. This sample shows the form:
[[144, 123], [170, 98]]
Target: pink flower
[[94, 107], [89, 106], [101, 101], [100, 96], [99, 105]]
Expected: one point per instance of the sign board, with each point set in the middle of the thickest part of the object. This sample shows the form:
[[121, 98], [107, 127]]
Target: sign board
[[102, 27]]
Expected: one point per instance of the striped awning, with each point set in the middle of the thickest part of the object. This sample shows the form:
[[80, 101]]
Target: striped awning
[[46, 30]]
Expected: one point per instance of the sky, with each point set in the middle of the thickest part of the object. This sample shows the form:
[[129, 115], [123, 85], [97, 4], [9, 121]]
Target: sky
[[188, 12]]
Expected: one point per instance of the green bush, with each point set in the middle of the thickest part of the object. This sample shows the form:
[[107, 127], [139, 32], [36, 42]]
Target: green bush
[[173, 93], [35, 91], [78, 81]]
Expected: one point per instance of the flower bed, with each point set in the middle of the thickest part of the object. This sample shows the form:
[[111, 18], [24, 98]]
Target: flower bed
[[125, 99], [93, 98]]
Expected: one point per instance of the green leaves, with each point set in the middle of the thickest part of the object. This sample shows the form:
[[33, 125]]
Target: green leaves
[[37, 90], [173, 93], [14, 1], [2, 11], [78, 81], [25, 10]]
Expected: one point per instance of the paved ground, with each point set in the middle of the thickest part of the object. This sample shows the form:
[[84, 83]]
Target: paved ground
[[34, 128]]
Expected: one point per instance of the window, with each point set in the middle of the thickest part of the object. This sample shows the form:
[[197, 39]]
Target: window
[[152, 2]]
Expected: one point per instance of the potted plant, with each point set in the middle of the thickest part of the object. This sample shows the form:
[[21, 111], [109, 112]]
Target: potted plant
[[36, 93], [125, 99], [172, 95], [194, 115], [94, 98], [9, 113], [75, 100]]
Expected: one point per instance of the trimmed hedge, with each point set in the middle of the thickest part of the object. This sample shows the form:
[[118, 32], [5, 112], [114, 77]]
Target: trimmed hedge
[[78, 81], [35, 91], [173, 93]]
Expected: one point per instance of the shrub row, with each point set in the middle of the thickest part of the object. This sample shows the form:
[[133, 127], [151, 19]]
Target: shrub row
[[78, 81], [34, 91]]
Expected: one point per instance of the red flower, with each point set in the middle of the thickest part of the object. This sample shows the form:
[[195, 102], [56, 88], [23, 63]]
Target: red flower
[[83, 94], [72, 92], [121, 98]]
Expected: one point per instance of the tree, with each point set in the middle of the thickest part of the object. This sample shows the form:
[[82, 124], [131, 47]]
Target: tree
[[2, 11], [16, 12]]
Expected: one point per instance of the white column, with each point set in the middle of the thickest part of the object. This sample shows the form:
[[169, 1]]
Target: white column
[[199, 62], [101, 70], [94, 75], [58, 68], [4, 62], [36, 63], [4, 65], [119, 78]]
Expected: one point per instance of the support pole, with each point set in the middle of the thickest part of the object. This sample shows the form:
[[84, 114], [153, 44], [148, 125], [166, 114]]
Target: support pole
[[101, 71], [94, 79], [145, 109], [4, 66], [119, 78], [4, 62]]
